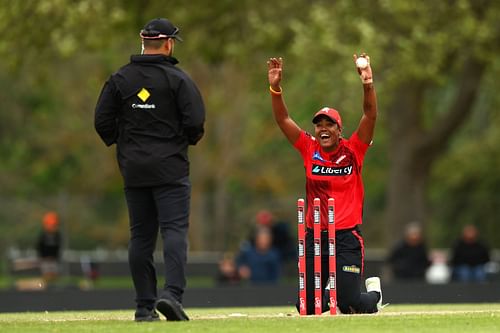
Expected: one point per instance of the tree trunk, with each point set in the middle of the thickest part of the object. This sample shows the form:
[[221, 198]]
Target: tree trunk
[[407, 190], [413, 150], [407, 178]]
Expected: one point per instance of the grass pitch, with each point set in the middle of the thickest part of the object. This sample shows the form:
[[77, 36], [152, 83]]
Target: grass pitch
[[395, 318]]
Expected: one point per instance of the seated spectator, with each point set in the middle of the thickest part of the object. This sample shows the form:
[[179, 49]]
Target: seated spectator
[[438, 272], [228, 274], [469, 257], [409, 259], [49, 247], [259, 262], [283, 242], [90, 271]]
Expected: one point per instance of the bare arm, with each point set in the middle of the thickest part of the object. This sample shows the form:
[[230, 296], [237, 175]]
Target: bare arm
[[280, 111], [366, 126]]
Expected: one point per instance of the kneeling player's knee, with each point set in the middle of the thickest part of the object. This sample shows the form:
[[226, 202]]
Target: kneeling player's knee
[[348, 304], [346, 308]]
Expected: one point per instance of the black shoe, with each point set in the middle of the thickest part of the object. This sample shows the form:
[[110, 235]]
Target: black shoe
[[171, 309], [145, 314]]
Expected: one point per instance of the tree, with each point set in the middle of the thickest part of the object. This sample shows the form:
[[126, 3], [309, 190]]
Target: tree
[[419, 130], [432, 61], [48, 155], [429, 59]]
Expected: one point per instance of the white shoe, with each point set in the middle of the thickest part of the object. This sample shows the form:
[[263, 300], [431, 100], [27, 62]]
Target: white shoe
[[373, 284]]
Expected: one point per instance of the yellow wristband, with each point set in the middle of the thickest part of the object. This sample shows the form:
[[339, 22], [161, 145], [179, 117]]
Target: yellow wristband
[[274, 92]]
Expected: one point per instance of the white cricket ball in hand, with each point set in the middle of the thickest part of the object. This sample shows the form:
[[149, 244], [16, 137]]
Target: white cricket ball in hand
[[361, 62]]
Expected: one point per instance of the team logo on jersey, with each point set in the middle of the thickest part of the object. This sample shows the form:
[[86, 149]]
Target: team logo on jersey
[[320, 170], [351, 269], [317, 157]]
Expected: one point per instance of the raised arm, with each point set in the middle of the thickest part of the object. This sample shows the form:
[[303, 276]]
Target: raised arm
[[366, 126], [280, 111]]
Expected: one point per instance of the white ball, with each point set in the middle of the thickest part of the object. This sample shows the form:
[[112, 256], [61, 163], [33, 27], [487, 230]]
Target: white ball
[[361, 62]]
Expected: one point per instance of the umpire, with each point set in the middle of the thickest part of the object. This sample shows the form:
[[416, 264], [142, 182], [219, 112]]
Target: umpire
[[152, 111]]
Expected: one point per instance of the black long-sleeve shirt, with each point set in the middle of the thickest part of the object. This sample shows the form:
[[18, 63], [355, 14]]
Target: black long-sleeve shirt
[[152, 111], [49, 245], [469, 253], [409, 262]]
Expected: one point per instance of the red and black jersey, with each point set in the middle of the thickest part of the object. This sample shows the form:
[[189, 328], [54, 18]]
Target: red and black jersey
[[334, 175]]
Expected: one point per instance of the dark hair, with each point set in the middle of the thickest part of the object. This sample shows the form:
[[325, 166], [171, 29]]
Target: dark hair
[[154, 43]]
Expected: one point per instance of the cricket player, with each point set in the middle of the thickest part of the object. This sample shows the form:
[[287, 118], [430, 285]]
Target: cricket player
[[333, 166]]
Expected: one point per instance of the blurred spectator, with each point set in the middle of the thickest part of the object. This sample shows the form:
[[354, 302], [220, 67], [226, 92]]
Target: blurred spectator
[[281, 236], [439, 272], [228, 274], [90, 271], [49, 247], [409, 259], [259, 262], [283, 241], [469, 257]]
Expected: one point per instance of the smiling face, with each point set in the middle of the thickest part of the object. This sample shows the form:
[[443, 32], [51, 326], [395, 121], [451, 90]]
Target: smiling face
[[327, 132]]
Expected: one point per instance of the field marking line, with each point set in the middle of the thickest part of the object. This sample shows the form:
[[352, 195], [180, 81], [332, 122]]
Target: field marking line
[[236, 315]]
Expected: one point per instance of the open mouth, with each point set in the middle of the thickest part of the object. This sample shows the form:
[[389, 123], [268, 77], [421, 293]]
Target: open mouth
[[324, 136]]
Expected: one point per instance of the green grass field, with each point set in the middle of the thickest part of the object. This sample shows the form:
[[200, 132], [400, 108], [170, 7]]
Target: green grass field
[[395, 318]]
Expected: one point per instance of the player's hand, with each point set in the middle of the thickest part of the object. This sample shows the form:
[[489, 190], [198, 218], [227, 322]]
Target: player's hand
[[366, 72], [274, 70]]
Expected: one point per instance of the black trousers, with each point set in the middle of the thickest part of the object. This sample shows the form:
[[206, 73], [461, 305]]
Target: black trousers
[[151, 209], [350, 257]]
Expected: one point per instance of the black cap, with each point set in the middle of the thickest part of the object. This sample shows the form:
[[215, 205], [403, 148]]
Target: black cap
[[160, 28]]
